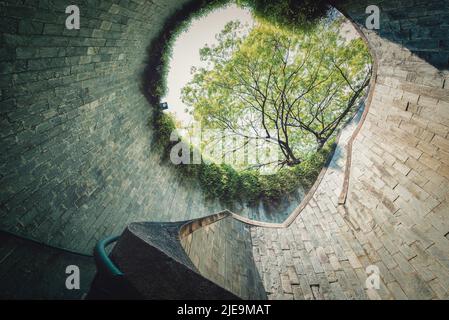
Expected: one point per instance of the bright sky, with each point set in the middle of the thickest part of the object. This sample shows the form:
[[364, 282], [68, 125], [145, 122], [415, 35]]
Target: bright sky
[[186, 53]]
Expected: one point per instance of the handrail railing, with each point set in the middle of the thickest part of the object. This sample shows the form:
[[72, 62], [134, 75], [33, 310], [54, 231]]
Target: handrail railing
[[102, 257]]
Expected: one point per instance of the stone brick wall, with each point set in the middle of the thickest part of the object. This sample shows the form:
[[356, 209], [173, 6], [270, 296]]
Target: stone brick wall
[[222, 252], [401, 159], [76, 162], [404, 141], [396, 214]]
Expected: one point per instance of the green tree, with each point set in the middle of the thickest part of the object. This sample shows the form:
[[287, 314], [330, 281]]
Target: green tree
[[291, 89]]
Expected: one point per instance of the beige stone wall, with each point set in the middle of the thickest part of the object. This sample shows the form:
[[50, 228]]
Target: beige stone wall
[[222, 252], [396, 214]]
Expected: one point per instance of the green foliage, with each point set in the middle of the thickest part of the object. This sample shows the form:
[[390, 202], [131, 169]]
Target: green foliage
[[164, 125], [290, 88], [222, 181], [292, 14]]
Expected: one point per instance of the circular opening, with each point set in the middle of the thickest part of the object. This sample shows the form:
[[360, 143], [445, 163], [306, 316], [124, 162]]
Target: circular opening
[[264, 103]]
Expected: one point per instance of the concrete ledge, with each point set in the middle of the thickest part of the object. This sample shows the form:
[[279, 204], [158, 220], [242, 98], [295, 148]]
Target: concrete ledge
[[157, 267]]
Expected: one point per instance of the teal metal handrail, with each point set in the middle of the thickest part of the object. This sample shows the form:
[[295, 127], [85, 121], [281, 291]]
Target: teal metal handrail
[[102, 257]]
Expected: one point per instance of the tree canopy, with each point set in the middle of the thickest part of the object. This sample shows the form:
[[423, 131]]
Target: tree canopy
[[288, 88]]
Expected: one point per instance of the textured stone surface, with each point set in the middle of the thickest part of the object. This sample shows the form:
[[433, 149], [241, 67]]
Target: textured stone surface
[[155, 264], [222, 252], [397, 210], [76, 162]]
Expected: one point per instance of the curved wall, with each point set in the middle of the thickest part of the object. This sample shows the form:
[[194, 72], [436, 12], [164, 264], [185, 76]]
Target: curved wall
[[399, 187], [222, 252], [396, 213], [76, 163], [400, 158]]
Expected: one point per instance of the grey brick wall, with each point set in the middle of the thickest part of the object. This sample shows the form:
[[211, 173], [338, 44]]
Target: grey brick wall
[[76, 162]]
